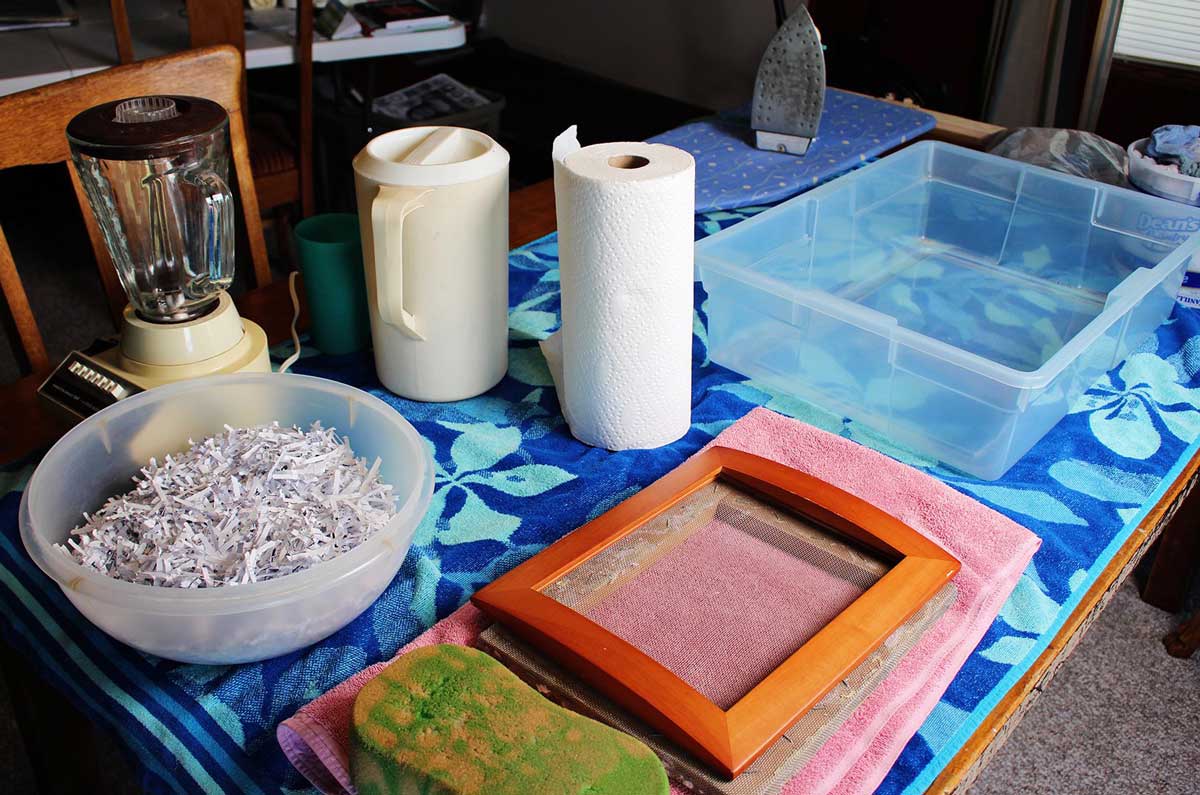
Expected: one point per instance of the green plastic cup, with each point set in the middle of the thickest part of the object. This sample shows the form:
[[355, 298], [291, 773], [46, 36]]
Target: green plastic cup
[[330, 253]]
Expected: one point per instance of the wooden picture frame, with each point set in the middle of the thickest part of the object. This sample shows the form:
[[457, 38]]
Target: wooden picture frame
[[728, 740]]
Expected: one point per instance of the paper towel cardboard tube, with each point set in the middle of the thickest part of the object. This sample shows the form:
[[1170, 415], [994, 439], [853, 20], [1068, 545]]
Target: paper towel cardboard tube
[[628, 161], [622, 361]]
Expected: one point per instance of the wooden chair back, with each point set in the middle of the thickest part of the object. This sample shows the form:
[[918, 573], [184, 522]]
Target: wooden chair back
[[124, 39], [33, 132], [224, 22]]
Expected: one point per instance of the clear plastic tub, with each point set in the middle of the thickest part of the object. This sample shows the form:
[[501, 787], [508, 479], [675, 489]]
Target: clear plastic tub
[[228, 624], [958, 302]]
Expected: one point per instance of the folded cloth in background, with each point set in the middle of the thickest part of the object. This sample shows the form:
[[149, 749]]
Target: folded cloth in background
[[1076, 152], [1178, 144], [993, 550]]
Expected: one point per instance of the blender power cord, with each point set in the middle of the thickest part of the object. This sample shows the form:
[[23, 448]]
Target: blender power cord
[[289, 361]]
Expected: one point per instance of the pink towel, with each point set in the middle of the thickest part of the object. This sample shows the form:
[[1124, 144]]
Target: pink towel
[[316, 740], [993, 551]]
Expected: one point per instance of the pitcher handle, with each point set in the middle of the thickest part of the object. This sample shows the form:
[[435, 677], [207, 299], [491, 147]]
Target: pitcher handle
[[389, 208], [218, 233]]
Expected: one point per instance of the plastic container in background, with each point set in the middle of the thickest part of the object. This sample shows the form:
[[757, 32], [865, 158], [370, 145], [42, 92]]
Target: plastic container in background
[[227, 624], [329, 249], [957, 302], [1145, 174]]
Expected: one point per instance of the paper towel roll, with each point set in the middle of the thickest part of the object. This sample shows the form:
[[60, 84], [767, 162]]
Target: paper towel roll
[[622, 362]]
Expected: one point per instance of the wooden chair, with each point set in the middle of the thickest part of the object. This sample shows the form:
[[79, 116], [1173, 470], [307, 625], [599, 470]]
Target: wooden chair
[[124, 39], [282, 162], [33, 132]]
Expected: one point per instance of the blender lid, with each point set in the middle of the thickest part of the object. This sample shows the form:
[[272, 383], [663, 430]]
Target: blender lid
[[139, 128]]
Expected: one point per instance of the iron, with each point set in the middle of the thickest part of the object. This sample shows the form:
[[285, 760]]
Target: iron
[[789, 91]]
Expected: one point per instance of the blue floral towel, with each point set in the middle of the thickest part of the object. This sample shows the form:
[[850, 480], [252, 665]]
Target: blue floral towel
[[510, 479], [731, 172]]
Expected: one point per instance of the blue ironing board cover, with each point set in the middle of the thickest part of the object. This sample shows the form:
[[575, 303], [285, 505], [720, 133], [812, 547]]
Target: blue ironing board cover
[[731, 172], [510, 479]]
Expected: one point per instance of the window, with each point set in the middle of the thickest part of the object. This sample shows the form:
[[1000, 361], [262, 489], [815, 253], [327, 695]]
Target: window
[[1166, 31]]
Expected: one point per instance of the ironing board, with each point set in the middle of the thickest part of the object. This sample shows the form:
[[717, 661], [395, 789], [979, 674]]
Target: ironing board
[[731, 172], [511, 479]]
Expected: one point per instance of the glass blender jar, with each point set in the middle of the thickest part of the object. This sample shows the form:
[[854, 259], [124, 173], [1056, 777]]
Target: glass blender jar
[[154, 169]]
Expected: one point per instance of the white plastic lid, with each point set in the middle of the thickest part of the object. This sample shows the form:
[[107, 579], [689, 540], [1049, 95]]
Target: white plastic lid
[[430, 156]]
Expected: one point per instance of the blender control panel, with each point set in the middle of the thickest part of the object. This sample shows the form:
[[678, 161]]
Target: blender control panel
[[81, 385]]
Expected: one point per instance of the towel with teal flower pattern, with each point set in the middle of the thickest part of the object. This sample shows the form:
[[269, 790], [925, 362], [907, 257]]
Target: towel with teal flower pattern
[[511, 479]]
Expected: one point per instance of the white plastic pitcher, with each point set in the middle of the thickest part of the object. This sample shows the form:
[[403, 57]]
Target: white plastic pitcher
[[433, 209]]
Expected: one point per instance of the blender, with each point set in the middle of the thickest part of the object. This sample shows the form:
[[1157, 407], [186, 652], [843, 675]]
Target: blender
[[154, 169]]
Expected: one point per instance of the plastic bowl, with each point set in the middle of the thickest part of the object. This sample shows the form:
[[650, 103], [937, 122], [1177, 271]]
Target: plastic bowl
[[1147, 175], [228, 624]]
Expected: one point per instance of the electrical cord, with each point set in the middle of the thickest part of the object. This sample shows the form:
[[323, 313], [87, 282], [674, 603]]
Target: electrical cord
[[289, 361]]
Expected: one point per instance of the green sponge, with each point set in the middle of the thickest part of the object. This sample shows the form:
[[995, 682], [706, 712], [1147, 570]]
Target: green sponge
[[449, 720]]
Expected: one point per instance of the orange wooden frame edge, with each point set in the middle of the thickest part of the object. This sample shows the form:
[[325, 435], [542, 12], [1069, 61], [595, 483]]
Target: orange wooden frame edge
[[727, 740]]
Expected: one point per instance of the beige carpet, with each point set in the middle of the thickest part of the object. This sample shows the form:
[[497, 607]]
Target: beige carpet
[[1121, 716]]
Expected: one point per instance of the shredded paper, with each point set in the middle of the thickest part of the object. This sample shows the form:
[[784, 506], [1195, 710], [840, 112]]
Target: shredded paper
[[248, 505]]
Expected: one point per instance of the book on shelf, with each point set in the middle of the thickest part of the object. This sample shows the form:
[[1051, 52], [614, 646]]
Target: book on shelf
[[388, 17], [333, 22]]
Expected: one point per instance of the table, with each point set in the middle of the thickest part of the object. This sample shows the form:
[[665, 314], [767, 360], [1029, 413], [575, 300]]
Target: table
[[31, 58], [531, 216], [28, 427]]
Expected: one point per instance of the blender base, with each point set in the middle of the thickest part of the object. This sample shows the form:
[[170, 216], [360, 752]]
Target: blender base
[[152, 354]]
